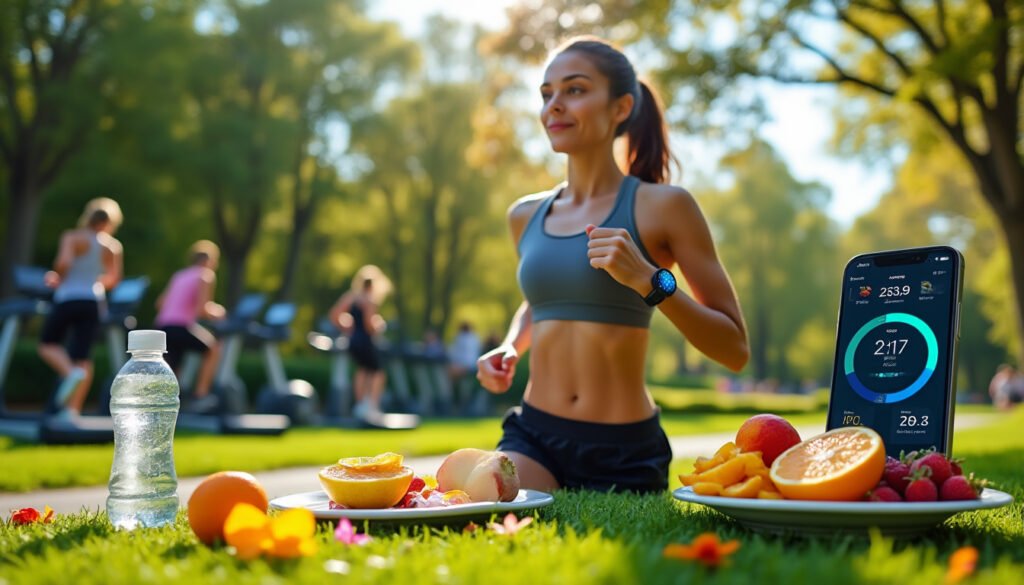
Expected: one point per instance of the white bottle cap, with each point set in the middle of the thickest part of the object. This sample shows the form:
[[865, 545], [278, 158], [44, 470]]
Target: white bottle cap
[[147, 339]]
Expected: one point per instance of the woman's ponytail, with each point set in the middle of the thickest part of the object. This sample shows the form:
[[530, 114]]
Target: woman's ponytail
[[649, 156]]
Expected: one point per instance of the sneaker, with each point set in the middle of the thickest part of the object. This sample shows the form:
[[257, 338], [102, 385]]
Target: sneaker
[[65, 415], [203, 405], [361, 410], [68, 385]]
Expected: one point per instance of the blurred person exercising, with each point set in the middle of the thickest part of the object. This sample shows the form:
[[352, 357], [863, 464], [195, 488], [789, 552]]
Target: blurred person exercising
[[356, 314], [595, 255], [187, 298], [89, 263]]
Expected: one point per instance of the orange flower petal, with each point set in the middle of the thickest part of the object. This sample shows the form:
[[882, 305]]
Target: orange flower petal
[[47, 515], [962, 564], [247, 528], [297, 523], [292, 533], [679, 551], [705, 548]]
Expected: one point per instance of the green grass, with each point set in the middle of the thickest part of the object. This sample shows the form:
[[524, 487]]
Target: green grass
[[673, 399], [27, 467], [583, 538]]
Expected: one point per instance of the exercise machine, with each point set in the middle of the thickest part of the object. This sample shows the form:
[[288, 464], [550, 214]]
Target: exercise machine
[[295, 399], [226, 413], [339, 399], [44, 426]]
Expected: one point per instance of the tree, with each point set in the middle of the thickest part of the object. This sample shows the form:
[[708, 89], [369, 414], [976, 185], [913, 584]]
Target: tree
[[339, 61], [55, 78], [774, 237], [957, 63], [445, 159]]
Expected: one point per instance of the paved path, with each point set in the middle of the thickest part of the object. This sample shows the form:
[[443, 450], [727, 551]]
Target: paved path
[[281, 482]]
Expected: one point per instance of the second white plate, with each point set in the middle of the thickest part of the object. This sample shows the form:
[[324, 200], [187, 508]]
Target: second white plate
[[804, 517]]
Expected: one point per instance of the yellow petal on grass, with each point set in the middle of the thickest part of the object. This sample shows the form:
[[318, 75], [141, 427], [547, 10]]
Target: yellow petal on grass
[[292, 533], [247, 529]]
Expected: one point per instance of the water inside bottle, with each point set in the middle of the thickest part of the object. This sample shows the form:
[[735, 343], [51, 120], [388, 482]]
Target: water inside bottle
[[143, 483]]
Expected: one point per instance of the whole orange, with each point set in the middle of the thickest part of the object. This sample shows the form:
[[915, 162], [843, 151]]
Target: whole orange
[[214, 497], [768, 433]]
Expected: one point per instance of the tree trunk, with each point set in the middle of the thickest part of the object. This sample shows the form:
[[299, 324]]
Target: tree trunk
[[429, 252], [452, 271], [236, 275], [291, 262], [682, 368], [395, 239], [1013, 230], [22, 221], [302, 216], [759, 337]]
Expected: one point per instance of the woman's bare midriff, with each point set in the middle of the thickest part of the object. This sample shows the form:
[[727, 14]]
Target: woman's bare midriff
[[589, 371]]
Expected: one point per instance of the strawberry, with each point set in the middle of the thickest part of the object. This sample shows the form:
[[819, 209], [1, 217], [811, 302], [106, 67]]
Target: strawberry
[[884, 493], [896, 473], [939, 465], [921, 488], [959, 487], [954, 465], [416, 484]]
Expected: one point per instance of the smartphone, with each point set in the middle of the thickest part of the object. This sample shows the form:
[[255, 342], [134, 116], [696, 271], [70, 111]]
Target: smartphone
[[896, 346]]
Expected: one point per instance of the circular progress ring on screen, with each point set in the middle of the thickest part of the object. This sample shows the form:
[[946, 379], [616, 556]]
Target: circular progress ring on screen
[[916, 385]]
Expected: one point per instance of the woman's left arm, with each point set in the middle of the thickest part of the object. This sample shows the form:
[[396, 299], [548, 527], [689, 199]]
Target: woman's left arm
[[711, 319]]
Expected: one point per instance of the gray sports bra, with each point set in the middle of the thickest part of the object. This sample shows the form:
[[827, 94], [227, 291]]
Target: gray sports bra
[[81, 281], [556, 277]]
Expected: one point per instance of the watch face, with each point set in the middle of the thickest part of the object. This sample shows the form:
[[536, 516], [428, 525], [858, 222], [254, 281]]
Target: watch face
[[666, 281]]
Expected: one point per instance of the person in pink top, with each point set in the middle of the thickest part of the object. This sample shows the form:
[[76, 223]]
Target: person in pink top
[[188, 298]]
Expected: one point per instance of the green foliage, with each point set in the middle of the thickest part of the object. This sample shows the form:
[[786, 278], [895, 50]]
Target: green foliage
[[773, 238]]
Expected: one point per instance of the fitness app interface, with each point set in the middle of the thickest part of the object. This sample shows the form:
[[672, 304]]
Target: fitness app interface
[[892, 356]]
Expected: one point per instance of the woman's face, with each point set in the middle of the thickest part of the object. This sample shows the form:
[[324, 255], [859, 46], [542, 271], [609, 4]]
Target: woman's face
[[578, 112]]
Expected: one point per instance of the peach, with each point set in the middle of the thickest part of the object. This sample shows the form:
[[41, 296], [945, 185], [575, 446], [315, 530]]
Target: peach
[[484, 475], [767, 433]]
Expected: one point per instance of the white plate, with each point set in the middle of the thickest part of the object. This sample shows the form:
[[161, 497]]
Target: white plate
[[317, 502], [804, 517]]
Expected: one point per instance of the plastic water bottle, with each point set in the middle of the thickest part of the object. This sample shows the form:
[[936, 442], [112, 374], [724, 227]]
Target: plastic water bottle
[[144, 405]]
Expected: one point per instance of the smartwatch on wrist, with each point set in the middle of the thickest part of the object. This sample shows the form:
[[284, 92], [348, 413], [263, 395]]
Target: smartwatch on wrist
[[663, 285]]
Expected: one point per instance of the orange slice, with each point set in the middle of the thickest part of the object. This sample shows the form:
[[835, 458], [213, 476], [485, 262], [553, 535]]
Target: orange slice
[[358, 488], [840, 465], [383, 462]]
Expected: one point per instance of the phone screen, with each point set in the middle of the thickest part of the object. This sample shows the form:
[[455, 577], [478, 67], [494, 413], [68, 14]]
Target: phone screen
[[893, 357]]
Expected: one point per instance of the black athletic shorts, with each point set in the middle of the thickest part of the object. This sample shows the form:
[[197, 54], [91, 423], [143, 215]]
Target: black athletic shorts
[[79, 318], [603, 457], [365, 354], [181, 340]]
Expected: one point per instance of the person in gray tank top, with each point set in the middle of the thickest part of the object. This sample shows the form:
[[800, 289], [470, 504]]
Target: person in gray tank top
[[597, 255], [89, 262]]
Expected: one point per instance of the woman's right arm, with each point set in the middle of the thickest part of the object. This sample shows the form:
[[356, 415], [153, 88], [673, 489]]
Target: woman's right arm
[[339, 315], [207, 307]]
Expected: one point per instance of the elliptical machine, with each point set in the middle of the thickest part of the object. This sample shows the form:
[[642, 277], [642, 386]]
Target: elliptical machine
[[120, 318], [42, 426], [339, 397], [295, 399], [227, 413]]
